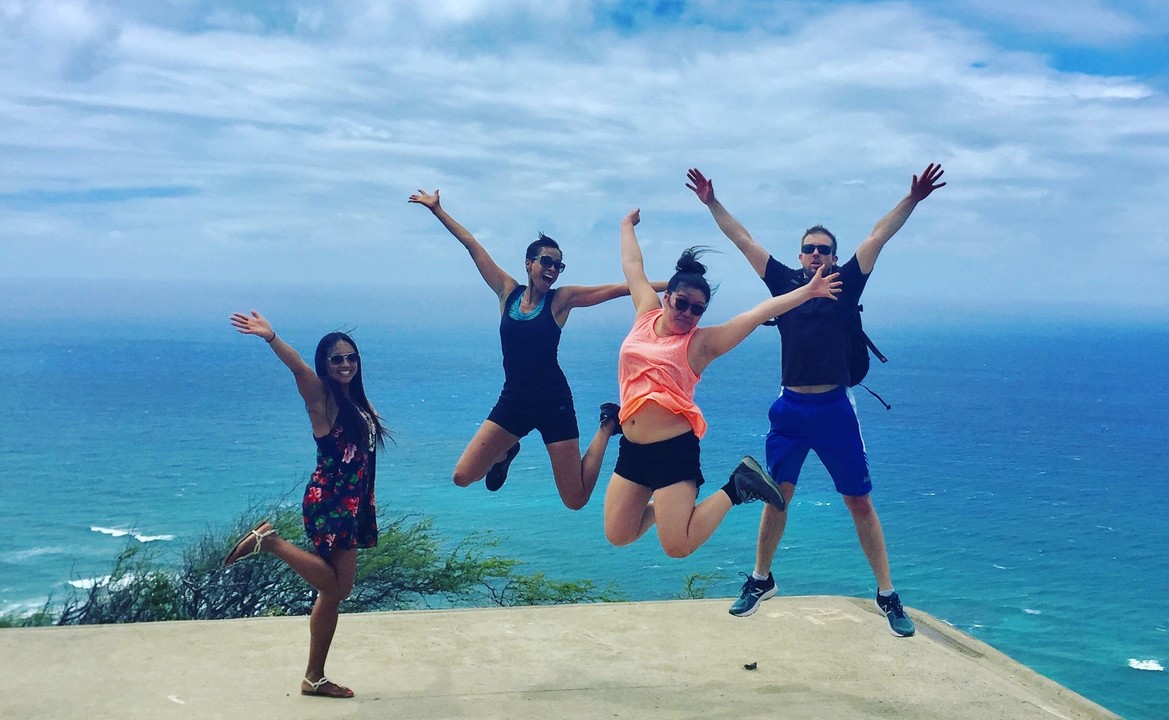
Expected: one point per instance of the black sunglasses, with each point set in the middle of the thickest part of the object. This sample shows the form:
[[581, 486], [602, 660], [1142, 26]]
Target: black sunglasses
[[548, 262], [809, 249], [682, 305], [336, 360]]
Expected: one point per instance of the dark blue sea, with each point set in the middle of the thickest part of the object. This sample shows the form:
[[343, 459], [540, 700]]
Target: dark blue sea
[[1021, 475]]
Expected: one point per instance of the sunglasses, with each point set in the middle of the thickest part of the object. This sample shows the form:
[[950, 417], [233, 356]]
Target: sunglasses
[[336, 360], [547, 262], [682, 305], [809, 249]]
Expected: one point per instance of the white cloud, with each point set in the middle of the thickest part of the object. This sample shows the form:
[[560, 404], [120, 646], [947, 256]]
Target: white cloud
[[295, 136], [1090, 22]]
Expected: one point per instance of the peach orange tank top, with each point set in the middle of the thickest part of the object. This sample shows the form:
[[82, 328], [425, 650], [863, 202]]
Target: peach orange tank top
[[656, 368]]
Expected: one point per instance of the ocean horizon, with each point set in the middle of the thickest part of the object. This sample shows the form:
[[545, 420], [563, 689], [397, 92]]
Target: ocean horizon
[[1018, 476]]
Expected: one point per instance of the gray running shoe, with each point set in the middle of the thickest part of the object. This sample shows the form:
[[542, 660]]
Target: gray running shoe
[[753, 483], [751, 594], [899, 623]]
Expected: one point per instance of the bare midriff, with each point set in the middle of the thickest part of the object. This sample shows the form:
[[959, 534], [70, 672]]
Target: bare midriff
[[653, 423], [811, 389]]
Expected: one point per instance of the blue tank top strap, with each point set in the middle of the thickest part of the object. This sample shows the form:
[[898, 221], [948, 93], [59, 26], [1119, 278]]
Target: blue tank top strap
[[513, 308]]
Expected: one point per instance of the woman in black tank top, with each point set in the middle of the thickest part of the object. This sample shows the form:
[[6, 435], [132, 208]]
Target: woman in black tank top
[[535, 395]]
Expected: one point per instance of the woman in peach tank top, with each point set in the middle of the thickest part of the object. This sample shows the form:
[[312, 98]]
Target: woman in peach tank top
[[657, 476]]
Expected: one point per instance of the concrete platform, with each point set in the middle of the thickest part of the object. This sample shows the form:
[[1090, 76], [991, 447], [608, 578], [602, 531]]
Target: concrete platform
[[814, 658]]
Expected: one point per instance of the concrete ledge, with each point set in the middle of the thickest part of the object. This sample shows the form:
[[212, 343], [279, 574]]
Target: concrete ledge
[[815, 658]]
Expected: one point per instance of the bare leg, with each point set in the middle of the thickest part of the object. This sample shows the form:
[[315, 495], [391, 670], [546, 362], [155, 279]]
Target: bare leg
[[333, 581], [629, 512], [576, 476], [871, 536], [323, 624], [683, 526], [772, 524], [488, 446]]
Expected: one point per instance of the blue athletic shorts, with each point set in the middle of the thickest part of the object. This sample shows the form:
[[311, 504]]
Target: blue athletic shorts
[[556, 420], [826, 423]]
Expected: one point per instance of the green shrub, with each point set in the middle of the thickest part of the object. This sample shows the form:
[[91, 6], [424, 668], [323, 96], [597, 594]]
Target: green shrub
[[407, 569]]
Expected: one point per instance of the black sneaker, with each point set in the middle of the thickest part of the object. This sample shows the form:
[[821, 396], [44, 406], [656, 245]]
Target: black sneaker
[[611, 411], [751, 594], [498, 473], [753, 483], [899, 623]]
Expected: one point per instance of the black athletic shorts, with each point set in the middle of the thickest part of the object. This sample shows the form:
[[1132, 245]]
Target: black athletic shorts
[[556, 420], [660, 464]]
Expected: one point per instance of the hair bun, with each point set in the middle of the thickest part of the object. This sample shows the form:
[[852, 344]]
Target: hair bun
[[689, 264]]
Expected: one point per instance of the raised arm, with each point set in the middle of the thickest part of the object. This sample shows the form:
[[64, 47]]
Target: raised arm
[[717, 340], [703, 187], [574, 296], [497, 279], [644, 296], [310, 386], [886, 227]]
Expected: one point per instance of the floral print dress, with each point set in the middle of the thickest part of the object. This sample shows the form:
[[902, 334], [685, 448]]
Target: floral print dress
[[339, 507]]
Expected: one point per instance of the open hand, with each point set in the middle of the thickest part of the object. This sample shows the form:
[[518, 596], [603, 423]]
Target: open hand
[[253, 324], [921, 188], [424, 198], [702, 187], [822, 285]]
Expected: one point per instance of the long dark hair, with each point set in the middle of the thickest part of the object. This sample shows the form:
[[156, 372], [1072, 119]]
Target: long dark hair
[[353, 425], [690, 272]]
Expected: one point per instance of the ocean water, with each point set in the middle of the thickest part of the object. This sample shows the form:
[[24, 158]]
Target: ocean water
[[1020, 475]]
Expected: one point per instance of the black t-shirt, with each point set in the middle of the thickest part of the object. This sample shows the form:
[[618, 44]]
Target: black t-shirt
[[815, 336]]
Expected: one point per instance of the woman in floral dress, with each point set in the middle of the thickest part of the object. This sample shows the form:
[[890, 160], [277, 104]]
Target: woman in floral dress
[[339, 508]]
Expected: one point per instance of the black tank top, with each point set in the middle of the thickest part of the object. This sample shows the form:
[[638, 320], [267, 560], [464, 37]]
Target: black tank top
[[530, 365]]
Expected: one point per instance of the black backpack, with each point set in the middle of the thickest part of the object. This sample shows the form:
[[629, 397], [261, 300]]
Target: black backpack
[[858, 359]]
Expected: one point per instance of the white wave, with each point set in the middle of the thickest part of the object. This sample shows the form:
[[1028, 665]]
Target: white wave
[[22, 609], [103, 581], [152, 538], [119, 532], [1029, 611], [109, 531], [999, 567], [1145, 665]]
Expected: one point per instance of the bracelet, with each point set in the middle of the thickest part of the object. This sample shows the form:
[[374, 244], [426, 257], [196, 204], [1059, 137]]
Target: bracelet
[[269, 340]]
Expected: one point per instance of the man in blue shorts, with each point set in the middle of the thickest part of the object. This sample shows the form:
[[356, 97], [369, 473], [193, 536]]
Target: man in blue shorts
[[815, 408]]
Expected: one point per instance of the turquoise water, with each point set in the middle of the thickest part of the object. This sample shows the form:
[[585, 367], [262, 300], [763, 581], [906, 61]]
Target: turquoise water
[[1020, 475]]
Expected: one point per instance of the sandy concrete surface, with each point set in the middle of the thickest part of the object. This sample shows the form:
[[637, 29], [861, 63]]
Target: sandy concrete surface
[[814, 658]]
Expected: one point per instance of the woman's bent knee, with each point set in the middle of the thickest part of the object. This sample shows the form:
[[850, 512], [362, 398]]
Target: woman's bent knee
[[575, 502], [618, 537], [677, 551]]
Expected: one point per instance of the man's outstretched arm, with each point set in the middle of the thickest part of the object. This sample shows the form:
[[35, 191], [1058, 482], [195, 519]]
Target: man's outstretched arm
[[886, 227], [732, 228]]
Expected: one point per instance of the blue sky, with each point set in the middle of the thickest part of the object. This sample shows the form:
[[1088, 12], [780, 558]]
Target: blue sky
[[190, 141]]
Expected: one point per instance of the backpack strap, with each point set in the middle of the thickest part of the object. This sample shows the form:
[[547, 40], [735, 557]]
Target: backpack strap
[[866, 387], [873, 348]]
